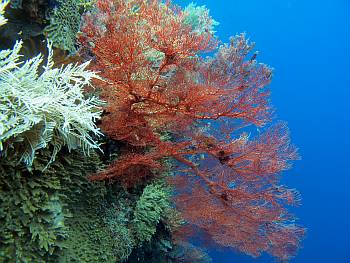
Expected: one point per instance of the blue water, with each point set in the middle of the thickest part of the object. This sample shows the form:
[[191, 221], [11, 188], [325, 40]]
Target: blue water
[[308, 44]]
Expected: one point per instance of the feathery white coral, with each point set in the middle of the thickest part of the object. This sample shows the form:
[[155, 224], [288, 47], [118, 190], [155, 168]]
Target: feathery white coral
[[43, 105], [3, 5]]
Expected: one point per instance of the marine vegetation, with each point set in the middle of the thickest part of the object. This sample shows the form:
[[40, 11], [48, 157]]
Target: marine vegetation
[[142, 146], [157, 80]]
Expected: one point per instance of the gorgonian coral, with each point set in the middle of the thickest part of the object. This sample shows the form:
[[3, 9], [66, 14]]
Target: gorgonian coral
[[156, 82]]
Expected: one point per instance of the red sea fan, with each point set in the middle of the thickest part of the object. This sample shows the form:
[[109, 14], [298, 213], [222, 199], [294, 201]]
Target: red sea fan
[[156, 82]]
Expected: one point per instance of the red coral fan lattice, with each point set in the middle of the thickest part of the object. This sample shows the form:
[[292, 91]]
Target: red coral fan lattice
[[156, 82]]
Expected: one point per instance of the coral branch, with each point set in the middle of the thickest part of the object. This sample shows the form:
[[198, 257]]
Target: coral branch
[[156, 82]]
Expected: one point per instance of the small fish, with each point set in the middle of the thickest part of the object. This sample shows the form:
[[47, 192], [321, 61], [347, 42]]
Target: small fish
[[254, 56]]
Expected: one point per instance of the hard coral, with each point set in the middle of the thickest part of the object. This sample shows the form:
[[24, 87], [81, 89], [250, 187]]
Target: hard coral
[[32, 214], [34, 205], [64, 24], [148, 211]]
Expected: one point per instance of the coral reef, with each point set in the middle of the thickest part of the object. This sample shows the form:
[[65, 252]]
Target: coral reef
[[175, 161], [44, 116], [50, 211]]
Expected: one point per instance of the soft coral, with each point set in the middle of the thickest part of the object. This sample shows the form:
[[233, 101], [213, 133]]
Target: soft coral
[[156, 82]]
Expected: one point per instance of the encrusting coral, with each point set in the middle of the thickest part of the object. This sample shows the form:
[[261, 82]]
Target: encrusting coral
[[31, 212], [89, 238], [64, 24], [155, 199]]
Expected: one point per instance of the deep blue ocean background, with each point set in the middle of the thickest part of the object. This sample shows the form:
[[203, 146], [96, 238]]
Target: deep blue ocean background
[[307, 42]]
